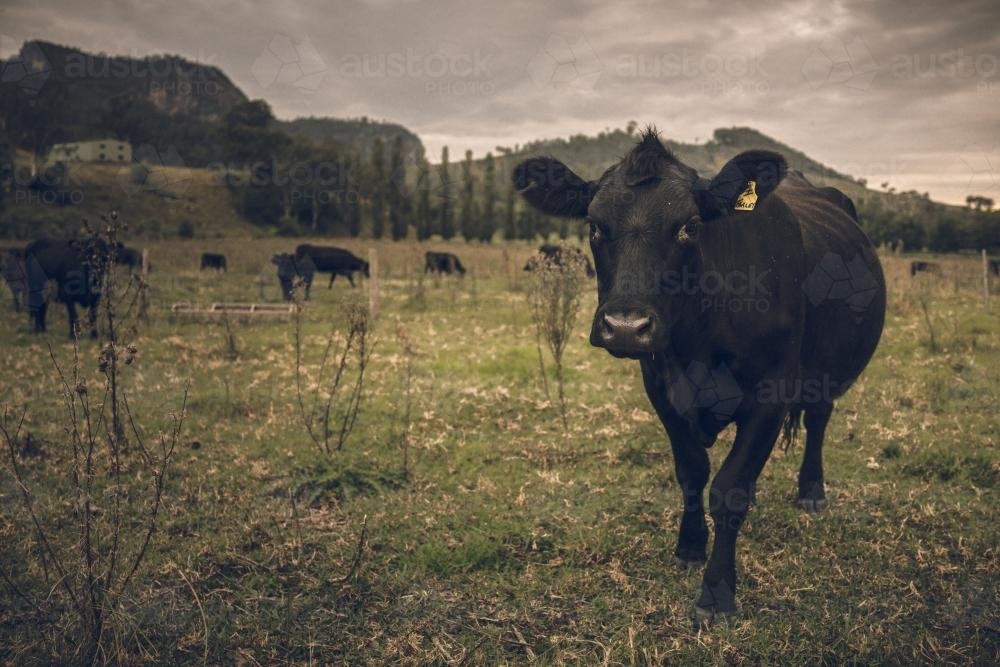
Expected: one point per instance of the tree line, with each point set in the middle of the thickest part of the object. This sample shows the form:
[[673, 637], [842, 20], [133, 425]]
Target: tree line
[[329, 189]]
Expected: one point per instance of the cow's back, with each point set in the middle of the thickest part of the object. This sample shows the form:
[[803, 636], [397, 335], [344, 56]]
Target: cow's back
[[844, 285], [329, 258]]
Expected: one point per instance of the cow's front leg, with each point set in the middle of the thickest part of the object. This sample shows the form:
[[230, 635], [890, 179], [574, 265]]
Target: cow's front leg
[[332, 276], [92, 320], [691, 466], [729, 500]]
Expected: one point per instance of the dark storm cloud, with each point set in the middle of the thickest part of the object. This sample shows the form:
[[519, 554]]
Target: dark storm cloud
[[904, 92]]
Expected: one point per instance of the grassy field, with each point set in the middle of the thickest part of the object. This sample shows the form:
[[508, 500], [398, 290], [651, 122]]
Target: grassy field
[[476, 531]]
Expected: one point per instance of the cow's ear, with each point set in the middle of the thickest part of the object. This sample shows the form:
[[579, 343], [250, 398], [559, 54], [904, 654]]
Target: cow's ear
[[552, 187], [741, 184]]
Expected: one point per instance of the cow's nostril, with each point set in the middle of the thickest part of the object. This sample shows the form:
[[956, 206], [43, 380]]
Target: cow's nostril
[[643, 326], [608, 327]]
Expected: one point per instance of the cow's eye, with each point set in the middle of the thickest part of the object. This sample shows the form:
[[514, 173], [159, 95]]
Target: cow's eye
[[596, 235]]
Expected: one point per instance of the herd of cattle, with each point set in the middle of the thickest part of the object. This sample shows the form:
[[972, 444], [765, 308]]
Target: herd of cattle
[[75, 266], [69, 264]]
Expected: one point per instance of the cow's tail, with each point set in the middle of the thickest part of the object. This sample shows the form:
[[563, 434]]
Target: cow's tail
[[790, 428]]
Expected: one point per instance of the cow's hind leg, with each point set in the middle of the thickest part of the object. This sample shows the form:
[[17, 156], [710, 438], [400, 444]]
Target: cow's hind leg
[[812, 496], [40, 312]]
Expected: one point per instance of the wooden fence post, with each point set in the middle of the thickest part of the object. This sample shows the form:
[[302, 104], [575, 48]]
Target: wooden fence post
[[373, 295], [142, 309], [986, 281]]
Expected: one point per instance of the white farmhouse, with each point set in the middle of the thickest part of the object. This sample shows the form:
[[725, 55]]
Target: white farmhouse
[[95, 150]]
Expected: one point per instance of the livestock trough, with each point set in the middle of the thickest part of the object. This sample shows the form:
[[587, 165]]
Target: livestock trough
[[232, 310]]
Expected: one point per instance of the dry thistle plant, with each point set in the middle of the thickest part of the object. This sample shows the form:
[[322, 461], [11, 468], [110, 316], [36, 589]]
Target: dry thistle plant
[[409, 354], [77, 561], [328, 416], [554, 293]]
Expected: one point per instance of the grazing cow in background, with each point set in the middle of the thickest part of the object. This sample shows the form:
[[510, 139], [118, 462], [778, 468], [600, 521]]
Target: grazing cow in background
[[994, 267], [442, 262], [213, 260], [924, 267], [335, 261], [129, 257], [290, 268], [77, 267], [731, 294], [553, 253], [15, 274]]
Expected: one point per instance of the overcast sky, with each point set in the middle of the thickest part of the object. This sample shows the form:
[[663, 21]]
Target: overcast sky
[[903, 91]]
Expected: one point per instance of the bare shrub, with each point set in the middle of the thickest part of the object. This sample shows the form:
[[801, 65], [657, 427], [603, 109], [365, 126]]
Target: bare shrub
[[327, 413], [76, 562], [554, 294], [409, 354]]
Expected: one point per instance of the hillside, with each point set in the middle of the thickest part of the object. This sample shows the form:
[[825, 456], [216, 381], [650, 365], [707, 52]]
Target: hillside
[[592, 155], [51, 94], [94, 86], [357, 134], [908, 219], [171, 202]]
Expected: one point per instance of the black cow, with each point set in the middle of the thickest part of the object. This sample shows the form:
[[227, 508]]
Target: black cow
[[442, 262], [77, 267], [749, 298], [994, 267], [290, 268], [15, 274], [213, 260], [129, 257], [335, 261], [554, 253], [924, 267]]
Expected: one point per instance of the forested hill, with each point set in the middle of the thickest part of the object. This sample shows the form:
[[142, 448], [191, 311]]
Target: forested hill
[[51, 94], [908, 219], [594, 154], [93, 88], [357, 134]]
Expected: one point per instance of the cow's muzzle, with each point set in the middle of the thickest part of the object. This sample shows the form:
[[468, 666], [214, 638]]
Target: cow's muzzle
[[625, 333]]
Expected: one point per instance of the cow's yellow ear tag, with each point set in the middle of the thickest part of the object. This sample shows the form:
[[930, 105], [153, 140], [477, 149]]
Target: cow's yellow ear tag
[[748, 198]]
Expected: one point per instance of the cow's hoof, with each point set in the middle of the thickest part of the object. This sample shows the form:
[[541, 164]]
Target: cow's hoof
[[685, 558], [812, 504], [685, 563], [706, 617], [812, 497]]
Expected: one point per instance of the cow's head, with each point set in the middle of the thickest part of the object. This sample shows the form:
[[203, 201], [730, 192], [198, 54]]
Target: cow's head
[[649, 215]]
